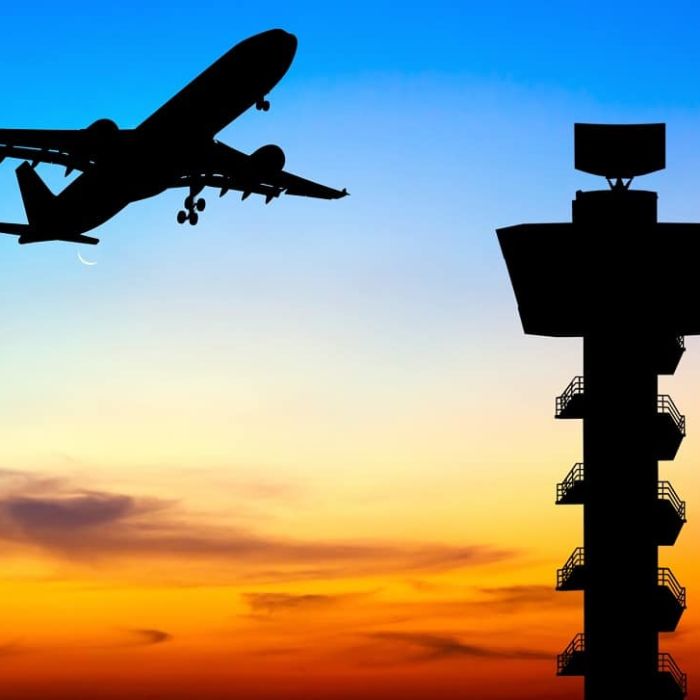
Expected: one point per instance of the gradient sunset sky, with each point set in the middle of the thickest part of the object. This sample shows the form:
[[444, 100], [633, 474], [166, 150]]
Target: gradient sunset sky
[[304, 451]]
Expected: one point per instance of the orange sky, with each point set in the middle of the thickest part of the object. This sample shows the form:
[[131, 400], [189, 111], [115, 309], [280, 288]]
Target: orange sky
[[390, 577]]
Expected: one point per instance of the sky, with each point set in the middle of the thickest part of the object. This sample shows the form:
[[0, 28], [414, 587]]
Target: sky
[[305, 450]]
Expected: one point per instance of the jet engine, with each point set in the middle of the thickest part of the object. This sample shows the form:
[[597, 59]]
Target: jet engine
[[103, 131], [267, 160]]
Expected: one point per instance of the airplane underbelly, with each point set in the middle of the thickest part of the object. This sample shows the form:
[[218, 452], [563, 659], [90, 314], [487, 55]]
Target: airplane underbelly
[[99, 194], [89, 215], [89, 202], [147, 191]]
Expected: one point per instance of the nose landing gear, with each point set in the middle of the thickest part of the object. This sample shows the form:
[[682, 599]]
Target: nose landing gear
[[262, 105], [189, 213]]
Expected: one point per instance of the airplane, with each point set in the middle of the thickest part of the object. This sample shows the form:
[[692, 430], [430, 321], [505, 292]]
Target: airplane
[[174, 147]]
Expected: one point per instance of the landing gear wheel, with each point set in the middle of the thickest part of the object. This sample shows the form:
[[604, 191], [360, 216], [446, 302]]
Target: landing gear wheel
[[181, 216], [263, 105], [194, 218], [189, 202], [200, 204]]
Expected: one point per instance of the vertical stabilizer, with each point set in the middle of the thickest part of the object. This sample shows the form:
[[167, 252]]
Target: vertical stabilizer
[[37, 197]]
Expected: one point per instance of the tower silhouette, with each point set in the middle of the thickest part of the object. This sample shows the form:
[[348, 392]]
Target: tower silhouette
[[627, 285]]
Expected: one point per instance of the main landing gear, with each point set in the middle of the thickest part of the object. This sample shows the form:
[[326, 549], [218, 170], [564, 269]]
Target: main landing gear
[[189, 213], [262, 105]]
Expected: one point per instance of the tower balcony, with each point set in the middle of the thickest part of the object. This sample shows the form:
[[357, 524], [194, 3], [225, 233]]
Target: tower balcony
[[571, 489], [670, 515], [670, 423], [670, 596], [571, 576], [672, 682], [670, 429], [569, 404], [571, 662], [669, 351], [670, 600]]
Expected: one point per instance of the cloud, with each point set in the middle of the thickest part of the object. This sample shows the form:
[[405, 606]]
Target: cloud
[[87, 525], [271, 603], [66, 513], [128, 639], [12, 480], [279, 602], [422, 646], [149, 637], [508, 598], [11, 649], [523, 593], [491, 600]]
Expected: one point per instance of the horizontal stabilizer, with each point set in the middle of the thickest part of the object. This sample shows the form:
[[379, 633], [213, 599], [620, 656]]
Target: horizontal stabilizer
[[28, 234], [30, 238], [14, 229]]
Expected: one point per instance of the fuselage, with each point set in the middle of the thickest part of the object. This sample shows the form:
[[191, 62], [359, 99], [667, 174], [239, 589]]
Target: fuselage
[[145, 161]]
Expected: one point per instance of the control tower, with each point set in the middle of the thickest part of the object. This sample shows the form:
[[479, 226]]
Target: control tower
[[628, 285]]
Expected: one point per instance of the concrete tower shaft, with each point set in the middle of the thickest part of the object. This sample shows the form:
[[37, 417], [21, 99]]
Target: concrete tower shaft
[[614, 276]]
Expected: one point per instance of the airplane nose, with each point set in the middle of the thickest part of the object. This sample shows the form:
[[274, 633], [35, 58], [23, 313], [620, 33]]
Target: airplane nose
[[286, 40], [278, 42], [292, 43], [271, 51]]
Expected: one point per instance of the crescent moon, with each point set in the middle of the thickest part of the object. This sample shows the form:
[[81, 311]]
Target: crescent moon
[[84, 261]]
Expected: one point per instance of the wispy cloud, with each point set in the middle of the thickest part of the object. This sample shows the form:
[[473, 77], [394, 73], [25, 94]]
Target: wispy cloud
[[11, 649], [50, 515], [280, 602], [150, 637], [425, 646], [81, 524], [272, 603], [495, 599], [509, 598]]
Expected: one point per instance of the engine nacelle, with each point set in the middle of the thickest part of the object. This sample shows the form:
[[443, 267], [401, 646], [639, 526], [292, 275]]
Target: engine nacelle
[[103, 131], [267, 160]]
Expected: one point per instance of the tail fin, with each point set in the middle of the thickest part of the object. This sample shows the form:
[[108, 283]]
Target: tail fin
[[37, 197]]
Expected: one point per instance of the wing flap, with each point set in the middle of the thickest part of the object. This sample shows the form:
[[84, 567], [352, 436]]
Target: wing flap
[[225, 183], [36, 155]]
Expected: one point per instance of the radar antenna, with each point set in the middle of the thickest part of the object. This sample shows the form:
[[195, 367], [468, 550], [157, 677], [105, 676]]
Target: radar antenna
[[619, 152]]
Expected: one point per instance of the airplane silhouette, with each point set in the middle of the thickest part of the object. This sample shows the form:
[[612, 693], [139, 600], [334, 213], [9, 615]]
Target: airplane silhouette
[[174, 147]]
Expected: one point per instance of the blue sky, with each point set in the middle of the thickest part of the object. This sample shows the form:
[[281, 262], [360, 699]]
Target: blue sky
[[454, 116], [626, 53], [444, 122], [75, 61]]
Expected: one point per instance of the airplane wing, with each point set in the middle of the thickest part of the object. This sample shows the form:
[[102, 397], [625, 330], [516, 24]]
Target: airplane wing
[[293, 184], [261, 172], [74, 149]]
